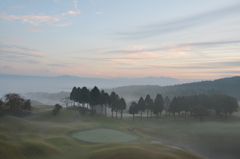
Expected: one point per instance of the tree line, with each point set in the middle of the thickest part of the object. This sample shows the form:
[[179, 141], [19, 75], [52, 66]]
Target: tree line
[[88, 100], [14, 104], [198, 106]]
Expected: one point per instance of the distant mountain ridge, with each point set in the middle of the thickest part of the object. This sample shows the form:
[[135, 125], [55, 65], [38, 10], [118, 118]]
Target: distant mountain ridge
[[230, 86], [24, 84]]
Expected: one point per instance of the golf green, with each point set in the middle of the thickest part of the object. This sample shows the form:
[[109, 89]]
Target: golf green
[[105, 135]]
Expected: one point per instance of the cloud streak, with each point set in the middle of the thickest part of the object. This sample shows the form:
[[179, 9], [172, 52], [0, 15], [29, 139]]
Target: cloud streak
[[98, 12], [200, 66], [63, 25], [39, 19], [180, 24], [171, 48], [72, 13], [115, 59], [40, 30], [14, 39], [18, 7], [19, 50], [75, 4], [32, 19]]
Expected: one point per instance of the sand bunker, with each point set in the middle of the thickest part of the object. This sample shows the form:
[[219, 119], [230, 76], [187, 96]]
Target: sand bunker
[[105, 135]]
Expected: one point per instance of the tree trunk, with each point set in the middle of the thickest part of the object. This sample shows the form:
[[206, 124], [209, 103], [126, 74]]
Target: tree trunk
[[141, 116], [178, 114], [201, 118], [185, 115], [116, 114], [157, 116], [112, 113], [182, 114], [121, 114], [105, 110], [147, 114], [166, 114], [133, 117], [101, 108], [174, 115]]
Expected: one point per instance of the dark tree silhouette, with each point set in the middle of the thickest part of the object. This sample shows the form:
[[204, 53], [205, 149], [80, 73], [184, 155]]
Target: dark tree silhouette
[[13, 102], [1, 104], [56, 109], [185, 106], [167, 103], [27, 105], [85, 93], [94, 99], [73, 95], [102, 102], [149, 103], [122, 106], [116, 104], [133, 109], [173, 106], [106, 100], [111, 102], [78, 95], [141, 106], [158, 105], [200, 111], [224, 104], [181, 105]]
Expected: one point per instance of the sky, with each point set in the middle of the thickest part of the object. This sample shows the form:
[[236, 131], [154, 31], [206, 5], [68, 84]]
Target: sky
[[183, 39]]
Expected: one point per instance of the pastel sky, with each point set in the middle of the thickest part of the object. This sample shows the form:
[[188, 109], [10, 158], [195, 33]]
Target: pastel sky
[[183, 39]]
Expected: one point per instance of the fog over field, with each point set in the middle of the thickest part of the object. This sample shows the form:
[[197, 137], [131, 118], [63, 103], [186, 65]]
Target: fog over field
[[119, 79], [26, 84]]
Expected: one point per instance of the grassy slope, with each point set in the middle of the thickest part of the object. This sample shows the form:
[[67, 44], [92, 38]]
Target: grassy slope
[[214, 138], [47, 136]]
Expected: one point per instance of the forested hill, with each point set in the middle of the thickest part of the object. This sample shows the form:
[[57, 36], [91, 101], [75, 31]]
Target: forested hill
[[230, 86], [25, 84]]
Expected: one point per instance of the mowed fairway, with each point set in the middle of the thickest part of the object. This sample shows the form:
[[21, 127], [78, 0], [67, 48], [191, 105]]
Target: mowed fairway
[[54, 137], [105, 136]]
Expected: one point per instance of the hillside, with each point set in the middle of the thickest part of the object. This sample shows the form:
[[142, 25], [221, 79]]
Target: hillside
[[48, 136], [230, 86], [25, 84]]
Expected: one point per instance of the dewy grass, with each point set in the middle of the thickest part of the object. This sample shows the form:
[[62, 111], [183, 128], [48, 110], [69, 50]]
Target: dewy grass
[[105, 135], [47, 136]]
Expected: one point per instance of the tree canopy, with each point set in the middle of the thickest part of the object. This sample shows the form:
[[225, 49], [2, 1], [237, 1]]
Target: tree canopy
[[13, 103]]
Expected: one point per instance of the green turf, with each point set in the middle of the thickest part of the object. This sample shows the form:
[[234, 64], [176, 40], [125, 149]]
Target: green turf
[[105, 135], [49, 137]]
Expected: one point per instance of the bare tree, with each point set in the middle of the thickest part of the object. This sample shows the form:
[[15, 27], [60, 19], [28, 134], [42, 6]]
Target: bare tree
[[66, 101]]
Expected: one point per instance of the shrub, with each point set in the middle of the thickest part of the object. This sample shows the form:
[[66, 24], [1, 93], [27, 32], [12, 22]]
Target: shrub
[[56, 109]]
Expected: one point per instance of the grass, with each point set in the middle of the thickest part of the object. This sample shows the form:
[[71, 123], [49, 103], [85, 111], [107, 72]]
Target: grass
[[48, 136], [136, 152], [216, 138], [105, 135]]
